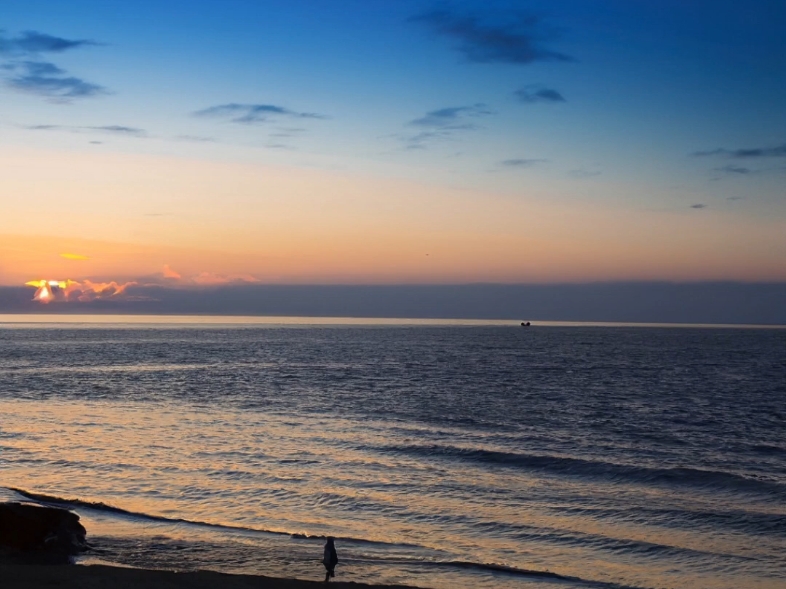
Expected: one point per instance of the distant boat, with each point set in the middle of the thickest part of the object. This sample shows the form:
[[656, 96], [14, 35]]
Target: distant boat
[[527, 324]]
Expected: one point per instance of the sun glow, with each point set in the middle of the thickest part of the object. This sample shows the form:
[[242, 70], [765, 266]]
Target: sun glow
[[71, 290], [43, 294], [53, 283]]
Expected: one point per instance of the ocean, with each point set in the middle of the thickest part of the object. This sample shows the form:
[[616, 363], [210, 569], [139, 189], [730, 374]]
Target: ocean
[[439, 454]]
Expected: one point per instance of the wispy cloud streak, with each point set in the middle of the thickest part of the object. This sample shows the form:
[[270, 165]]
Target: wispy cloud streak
[[515, 37], [533, 94], [34, 42], [732, 169], [46, 79], [112, 129], [442, 123], [253, 113], [755, 152], [520, 163]]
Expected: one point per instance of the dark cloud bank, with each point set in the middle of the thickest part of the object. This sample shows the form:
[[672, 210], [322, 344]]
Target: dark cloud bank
[[709, 302]]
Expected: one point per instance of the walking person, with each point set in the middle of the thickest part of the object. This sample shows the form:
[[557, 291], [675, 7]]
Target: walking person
[[330, 559]]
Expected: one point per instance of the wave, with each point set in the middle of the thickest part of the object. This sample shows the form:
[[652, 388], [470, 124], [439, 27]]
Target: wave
[[70, 503], [746, 521], [713, 479], [524, 533], [101, 506], [493, 568]]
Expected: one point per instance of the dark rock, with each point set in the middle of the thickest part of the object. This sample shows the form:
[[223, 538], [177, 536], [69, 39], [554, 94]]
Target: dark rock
[[25, 527]]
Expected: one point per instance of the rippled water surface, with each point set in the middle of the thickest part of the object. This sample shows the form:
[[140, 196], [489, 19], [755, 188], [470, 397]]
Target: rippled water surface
[[439, 456]]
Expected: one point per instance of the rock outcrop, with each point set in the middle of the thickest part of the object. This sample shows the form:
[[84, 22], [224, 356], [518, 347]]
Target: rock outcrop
[[29, 528]]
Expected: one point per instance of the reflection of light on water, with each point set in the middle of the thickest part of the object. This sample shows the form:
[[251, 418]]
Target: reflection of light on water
[[76, 321], [285, 473]]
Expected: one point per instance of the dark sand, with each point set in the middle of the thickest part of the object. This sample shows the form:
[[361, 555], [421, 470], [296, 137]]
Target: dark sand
[[107, 577]]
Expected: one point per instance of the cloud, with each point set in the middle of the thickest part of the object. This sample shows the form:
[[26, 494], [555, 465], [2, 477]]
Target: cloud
[[91, 291], [46, 79], [582, 173], [35, 42], [42, 77], [698, 206], [453, 117], [167, 272], [732, 169], [195, 138], [443, 123], [777, 151], [42, 68], [520, 163], [111, 129], [53, 291], [119, 130], [515, 37], [286, 132], [210, 279], [172, 278], [420, 140], [533, 94], [87, 290], [253, 113], [736, 198]]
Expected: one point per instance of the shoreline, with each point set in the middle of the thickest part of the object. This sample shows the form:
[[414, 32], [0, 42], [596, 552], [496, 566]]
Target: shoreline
[[101, 576]]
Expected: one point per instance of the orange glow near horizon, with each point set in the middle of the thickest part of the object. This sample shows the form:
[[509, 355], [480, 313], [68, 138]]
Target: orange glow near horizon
[[234, 221]]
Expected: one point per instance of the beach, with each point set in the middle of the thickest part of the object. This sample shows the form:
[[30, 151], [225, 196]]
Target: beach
[[109, 577]]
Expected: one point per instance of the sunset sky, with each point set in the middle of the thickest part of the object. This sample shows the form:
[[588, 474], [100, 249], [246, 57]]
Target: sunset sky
[[377, 142]]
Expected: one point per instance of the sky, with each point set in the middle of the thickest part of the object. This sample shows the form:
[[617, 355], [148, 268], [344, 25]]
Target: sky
[[190, 144]]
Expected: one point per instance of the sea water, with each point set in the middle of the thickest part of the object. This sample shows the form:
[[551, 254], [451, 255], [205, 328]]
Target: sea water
[[439, 455]]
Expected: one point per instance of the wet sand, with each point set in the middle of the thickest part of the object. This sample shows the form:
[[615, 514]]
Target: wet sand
[[108, 577]]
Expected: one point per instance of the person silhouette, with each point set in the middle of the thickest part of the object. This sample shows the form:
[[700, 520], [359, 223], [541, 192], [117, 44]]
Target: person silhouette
[[330, 559]]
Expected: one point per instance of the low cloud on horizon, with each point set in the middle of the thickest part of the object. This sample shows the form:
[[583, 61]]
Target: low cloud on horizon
[[49, 290], [695, 302]]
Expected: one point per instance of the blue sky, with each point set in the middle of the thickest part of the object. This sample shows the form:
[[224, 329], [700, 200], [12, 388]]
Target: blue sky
[[626, 104], [644, 84]]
